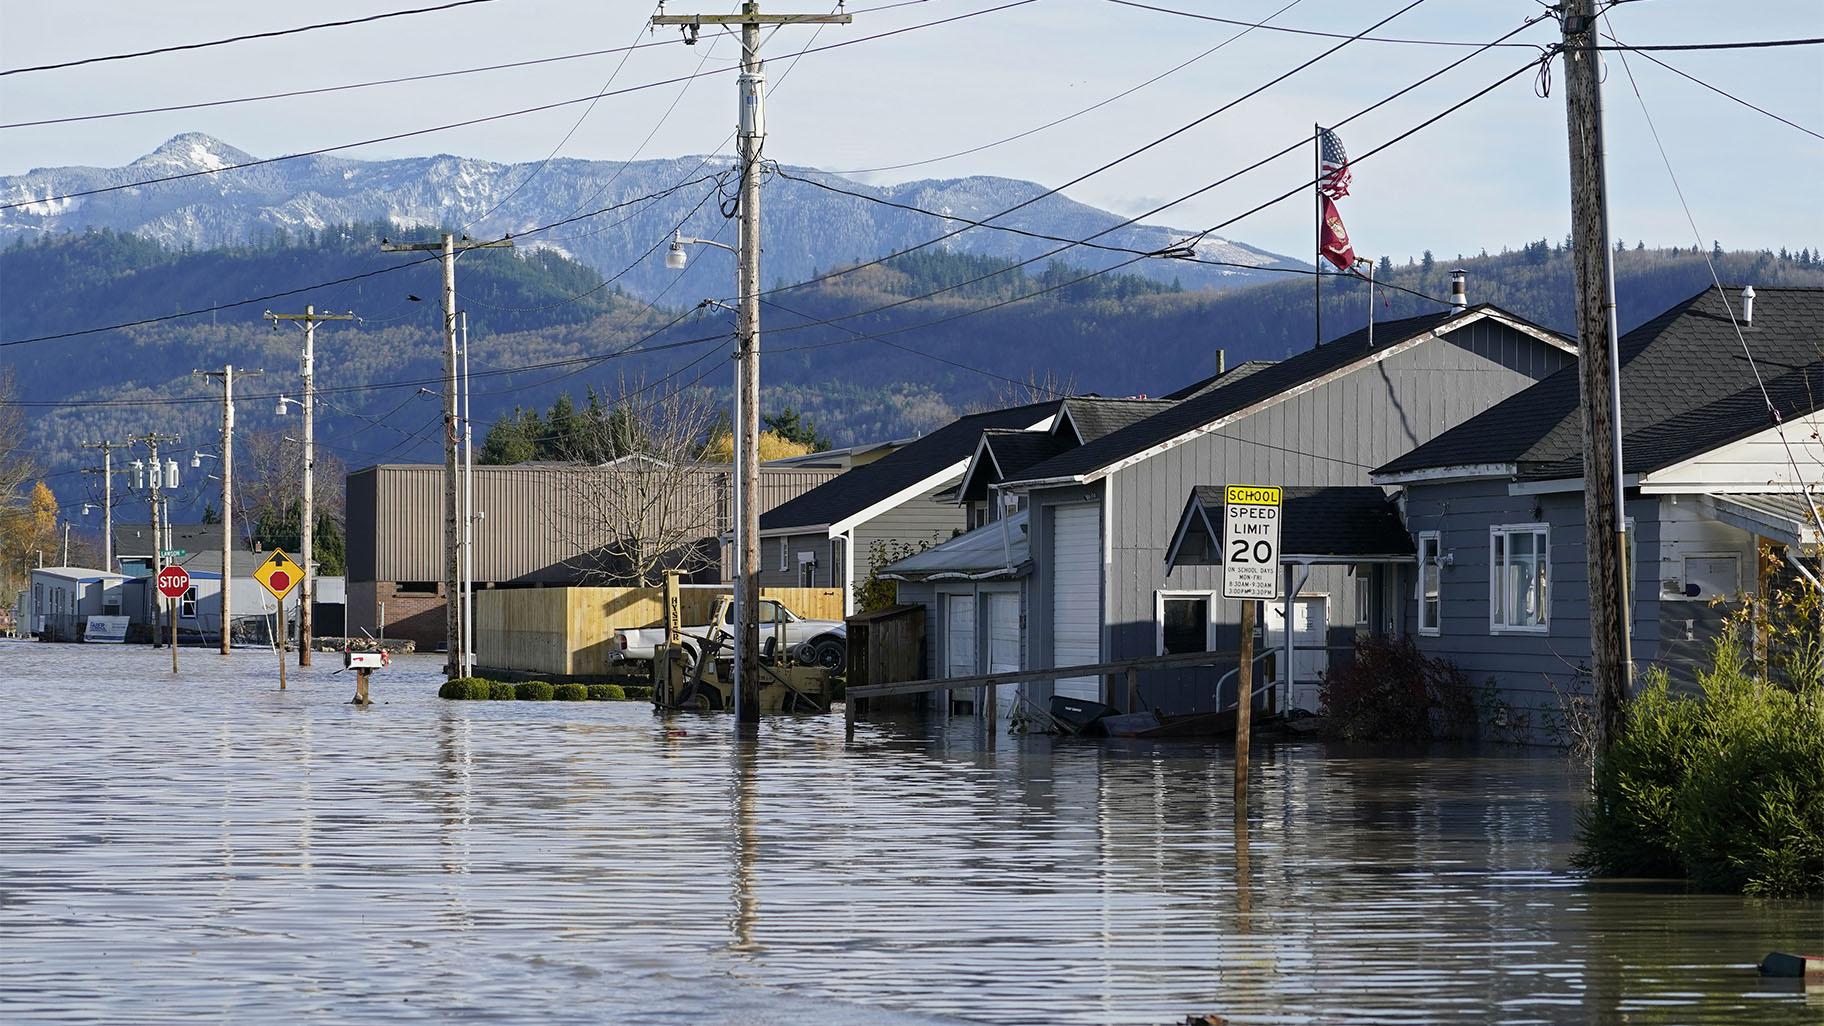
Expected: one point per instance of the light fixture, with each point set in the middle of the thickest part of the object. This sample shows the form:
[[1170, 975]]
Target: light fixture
[[279, 410], [676, 258], [196, 460], [87, 509]]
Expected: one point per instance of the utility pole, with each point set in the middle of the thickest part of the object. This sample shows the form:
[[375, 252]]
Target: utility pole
[[468, 514], [752, 134], [448, 248], [227, 461], [154, 481], [107, 498], [1599, 371], [307, 522]]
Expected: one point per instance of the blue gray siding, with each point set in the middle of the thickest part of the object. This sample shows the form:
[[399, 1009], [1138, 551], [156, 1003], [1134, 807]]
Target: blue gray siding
[[911, 523], [1333, 434]]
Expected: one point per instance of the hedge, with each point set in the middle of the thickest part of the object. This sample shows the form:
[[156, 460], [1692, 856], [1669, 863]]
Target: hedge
[[607, 693], [500, 691], [534, 691], [571, 693]]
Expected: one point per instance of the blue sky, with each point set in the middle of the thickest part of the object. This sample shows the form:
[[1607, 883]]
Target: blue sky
[[1490, 175]]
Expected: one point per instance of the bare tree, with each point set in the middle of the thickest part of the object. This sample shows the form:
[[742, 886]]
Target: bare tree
[[1034, 389], [269, 481], [654, 505]]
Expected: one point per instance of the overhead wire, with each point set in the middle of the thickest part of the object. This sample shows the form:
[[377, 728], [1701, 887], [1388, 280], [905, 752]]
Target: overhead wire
[[275, 33], [485, 119], [1308, 32]]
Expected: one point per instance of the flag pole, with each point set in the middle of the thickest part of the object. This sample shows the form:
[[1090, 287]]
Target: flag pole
[[1317, 249]]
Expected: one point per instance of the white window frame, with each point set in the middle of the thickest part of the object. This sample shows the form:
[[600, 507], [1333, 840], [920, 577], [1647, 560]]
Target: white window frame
[[785, 545], [186, 606], [1209, 616], [806, 559], [1544, 553], [1364, 596], [1432, 540]]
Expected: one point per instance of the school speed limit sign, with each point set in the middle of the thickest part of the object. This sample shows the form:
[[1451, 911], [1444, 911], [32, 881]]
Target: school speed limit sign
[[1250, 542]]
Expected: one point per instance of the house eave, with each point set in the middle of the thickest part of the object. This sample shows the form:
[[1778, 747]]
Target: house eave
[[1458, 472]]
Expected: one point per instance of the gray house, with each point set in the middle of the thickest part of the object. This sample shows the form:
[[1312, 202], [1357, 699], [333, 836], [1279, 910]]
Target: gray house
[[1495, 506], [1102, 514], [826, 537]]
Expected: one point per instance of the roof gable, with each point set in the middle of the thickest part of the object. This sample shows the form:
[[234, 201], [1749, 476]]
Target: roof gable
[[1208, 410], [920, 466], [1686, 386]]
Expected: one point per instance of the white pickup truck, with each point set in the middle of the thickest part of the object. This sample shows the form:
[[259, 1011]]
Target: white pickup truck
[[813, 642]]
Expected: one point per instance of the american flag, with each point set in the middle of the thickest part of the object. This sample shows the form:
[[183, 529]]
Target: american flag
[[1333, 176]]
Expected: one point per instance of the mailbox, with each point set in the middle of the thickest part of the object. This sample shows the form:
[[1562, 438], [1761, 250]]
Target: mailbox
[[364, 660]]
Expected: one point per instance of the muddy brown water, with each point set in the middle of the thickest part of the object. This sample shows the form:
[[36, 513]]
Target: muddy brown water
[[210, 849]]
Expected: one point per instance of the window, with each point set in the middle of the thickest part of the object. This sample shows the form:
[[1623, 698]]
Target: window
[[1184, 622], [1430, 583], [415, 587], [807, 570], [1364, 597], [1519, 559], [784, 543], [187, 609]]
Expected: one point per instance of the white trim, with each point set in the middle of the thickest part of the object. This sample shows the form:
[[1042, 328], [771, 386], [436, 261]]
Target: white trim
[[930, 483], [1544, 626], [1436, 538], [1064, 417], [1457, 472], [1209, 615], [1313, 384], [785, 545], [975, 459], [775, 532], [1560, 485], [1183, 530]]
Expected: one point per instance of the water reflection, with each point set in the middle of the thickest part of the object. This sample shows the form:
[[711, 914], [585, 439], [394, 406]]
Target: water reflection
[[529, 862]]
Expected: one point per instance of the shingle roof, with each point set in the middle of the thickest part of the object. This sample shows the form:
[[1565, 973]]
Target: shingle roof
[[1098, 418], [1686, 388], [1227, 377], [1340, 521], [851, 492], [1224, 399]]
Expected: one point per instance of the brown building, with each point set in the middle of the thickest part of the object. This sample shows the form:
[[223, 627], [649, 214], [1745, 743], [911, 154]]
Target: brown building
[[540, 525]]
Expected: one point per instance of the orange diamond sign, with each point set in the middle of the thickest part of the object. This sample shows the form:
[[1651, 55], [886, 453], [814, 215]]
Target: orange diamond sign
[[279, 575]]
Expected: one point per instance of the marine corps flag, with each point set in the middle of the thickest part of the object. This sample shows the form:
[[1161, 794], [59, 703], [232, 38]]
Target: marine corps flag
[[1335, 238]]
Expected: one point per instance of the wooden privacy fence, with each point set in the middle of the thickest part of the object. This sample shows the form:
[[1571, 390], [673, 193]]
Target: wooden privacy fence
[[569, 632]]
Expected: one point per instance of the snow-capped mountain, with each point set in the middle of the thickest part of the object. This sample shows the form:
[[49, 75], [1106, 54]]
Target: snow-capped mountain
[[806, 229]]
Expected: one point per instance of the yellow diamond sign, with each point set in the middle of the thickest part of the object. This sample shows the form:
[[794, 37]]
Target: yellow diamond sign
[[279, 574]]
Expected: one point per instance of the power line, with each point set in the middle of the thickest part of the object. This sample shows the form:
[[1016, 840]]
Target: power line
[[485, 119], [1754, 44], [1311, 32], [289, 94], [246, 37], [1075, 114], [1728, 95]]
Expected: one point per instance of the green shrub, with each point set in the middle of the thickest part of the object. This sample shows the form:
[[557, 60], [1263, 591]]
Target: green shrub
[[571, 693], [533, 691], [638, 692], [463, 687], [500, 691], [607, 693], [1725, 787]]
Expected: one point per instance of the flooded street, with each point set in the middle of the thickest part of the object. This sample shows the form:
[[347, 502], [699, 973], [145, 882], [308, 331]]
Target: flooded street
[[211, 849]]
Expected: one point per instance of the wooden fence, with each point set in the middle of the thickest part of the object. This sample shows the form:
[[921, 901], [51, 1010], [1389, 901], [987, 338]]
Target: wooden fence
[[569, 632]]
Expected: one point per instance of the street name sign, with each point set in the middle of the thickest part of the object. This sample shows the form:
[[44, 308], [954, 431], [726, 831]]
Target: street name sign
[[1250, 542], [279, 575], [173, 581]]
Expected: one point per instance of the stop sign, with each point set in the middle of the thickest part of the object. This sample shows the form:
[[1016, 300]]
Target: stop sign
[[173, 581]]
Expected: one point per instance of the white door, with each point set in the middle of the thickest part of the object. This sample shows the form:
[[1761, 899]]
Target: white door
[[1310, 627], [1003, 644], [959, 636], [1076, 596]]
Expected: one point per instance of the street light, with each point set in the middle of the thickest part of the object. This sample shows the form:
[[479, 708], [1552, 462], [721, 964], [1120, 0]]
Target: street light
[[678, 256]]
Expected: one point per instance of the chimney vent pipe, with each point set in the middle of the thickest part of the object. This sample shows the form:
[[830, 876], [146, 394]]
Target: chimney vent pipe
[[1748, 306], [1459, 297]]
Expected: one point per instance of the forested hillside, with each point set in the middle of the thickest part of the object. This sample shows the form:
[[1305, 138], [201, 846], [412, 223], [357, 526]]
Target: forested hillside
[[879, 352]]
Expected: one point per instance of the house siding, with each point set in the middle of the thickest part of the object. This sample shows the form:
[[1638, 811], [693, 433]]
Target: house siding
[[1531, 671], [914, 522], [1333, 434]]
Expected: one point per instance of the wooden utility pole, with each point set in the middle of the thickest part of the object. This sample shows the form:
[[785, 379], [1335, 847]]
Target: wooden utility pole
[[154, 482], [752, 133], [307, 516], [448, 248], [1244, 710], [1599, 371], [227, 461], [107, 498]]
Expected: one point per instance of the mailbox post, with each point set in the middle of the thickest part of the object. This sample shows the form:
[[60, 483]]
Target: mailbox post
[[364, 664]]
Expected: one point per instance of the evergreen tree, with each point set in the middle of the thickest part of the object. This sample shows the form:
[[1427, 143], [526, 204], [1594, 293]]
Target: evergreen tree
[[793, 426], [1426, 263]]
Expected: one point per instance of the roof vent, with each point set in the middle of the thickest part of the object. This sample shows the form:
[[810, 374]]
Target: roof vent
[[1748, 306], [1459, 297]]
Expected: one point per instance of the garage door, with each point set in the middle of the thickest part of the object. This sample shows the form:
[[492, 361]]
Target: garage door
[[1076, 595], [1003, 643]]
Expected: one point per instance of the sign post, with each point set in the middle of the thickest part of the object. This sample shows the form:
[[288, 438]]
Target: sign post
[[1250, 572], [279, 575], [173, 581]]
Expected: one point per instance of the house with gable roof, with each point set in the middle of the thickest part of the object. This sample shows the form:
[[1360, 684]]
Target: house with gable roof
[[1713, 479]]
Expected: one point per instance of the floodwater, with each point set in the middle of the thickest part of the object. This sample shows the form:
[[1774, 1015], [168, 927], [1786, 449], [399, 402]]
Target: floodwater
[[211, 849]]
